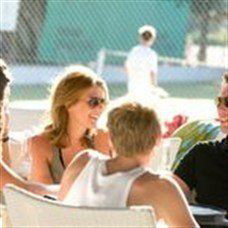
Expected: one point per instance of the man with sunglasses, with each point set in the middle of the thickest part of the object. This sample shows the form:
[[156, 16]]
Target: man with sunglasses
[[204, 169]]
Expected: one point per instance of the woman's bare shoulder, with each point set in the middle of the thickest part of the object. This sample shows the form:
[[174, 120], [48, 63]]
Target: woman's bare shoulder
[[39, 138], [39, 144]]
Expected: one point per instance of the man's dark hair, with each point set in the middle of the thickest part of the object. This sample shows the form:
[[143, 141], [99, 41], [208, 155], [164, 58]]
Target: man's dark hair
[[4, 78], [146, 36], [225, 77]]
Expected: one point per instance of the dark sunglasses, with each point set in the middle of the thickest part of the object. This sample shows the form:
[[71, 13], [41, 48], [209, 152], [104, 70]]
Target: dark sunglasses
[[93, 102], [222, 100]]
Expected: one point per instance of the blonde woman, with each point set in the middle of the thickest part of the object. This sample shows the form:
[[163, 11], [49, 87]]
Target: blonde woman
[[124, 181], [77, 101]]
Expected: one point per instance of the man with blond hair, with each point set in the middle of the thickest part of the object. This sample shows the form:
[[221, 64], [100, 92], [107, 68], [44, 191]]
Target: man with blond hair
[[95, 180]]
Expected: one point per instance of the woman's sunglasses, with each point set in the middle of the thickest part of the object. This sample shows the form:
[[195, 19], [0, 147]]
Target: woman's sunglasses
[[93, 102], [222, 100]]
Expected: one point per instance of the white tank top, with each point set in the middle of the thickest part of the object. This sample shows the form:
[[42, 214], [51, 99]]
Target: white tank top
[[93, 188]]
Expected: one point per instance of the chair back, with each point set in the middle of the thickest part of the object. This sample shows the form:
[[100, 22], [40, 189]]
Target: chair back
[[165, 154], [171, 147], [29, 210]]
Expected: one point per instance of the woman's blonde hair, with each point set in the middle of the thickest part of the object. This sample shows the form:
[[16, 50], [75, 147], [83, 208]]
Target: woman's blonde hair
[[66, 91], [133, 128]]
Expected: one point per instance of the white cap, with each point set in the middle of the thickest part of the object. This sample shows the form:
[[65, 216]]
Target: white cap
[[148, 28]]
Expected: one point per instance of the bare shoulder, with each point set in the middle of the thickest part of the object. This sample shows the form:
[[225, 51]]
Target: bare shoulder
[[161, 183], [102, 141], [163, 194], [39, 145], [39, 139], [153, 185], [151, 189]]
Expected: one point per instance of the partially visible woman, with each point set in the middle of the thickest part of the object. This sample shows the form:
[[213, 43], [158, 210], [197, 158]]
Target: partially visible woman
[[5, 79], [78, 98], [7, 174]]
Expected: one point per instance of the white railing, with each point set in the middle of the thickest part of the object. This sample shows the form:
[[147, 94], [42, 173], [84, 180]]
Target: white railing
[[162, 60]]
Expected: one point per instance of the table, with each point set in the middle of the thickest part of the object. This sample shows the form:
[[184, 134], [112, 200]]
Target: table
[[209, 215]]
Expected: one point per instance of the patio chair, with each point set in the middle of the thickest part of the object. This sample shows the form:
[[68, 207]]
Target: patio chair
[[29, 210], [165, 154]]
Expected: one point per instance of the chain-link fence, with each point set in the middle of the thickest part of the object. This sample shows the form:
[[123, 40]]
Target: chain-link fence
[[39, 38]]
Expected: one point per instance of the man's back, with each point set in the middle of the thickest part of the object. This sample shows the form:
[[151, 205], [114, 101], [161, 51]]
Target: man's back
[[94, 186], [103, 183]]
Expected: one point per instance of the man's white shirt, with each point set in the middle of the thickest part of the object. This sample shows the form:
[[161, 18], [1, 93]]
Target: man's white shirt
[[141, 62]]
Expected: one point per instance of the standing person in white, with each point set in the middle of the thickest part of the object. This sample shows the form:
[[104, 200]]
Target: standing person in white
[[142, 63], [124, 180]]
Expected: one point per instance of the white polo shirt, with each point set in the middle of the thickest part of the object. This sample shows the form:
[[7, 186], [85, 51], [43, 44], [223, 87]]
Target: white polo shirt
[[141, 61]]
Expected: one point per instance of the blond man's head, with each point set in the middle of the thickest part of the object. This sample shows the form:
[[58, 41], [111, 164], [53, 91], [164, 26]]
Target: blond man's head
[[134, 129]]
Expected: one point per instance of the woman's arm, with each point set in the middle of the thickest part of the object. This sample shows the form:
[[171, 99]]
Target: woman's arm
[[10, 177], [41, 155]]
